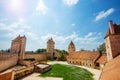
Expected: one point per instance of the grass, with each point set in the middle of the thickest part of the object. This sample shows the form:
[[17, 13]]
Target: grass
[[45, 61], [68, 72]]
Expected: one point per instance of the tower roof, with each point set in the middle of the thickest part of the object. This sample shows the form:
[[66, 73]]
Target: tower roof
[[71, 43]]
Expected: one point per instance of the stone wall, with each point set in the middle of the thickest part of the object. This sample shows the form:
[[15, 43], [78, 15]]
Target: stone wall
[[112, 46], [7, 60], [22, 72], [108, 48], [36, 56], [5, 55]]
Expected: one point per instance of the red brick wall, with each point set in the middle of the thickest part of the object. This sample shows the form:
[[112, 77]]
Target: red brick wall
[[6, 76]]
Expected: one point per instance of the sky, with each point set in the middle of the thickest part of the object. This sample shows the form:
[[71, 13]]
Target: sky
[[85, 22]]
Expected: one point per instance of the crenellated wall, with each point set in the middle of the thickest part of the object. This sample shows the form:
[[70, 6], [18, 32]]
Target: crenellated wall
[[7, 60]]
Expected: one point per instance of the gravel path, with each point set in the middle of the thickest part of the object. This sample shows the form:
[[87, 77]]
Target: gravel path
[[35, 76]]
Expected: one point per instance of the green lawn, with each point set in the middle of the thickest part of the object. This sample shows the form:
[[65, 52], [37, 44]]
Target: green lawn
[[68, 72]]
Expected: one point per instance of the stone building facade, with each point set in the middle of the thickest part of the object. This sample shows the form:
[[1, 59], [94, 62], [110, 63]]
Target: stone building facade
[[112, 41], [84, 58]]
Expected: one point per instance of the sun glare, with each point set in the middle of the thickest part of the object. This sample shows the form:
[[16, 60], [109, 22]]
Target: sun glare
[[15, 7], [16, 4]]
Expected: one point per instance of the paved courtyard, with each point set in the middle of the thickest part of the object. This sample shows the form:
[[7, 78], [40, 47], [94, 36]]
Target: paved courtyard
[[35, 76]]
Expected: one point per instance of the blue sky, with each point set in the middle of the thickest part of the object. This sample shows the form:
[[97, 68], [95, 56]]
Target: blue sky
[[85, 22]]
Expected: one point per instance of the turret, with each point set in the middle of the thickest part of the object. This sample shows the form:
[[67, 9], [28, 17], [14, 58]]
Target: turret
[[71, 47], [50, 47]]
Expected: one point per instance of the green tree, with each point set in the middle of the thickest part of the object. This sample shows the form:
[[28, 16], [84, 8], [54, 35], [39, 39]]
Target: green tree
[[62, 58], [40, 50], [7, 50], [101, 48], [62, 54], [83, 49]]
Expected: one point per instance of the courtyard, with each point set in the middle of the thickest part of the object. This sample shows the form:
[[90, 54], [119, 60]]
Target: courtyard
[[89, 74]]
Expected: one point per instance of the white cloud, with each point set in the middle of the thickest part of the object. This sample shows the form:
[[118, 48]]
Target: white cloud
[[70, 2], [41, 7], [89, 34], [104, 14], [15, 28], [61, 42], [32, 36]]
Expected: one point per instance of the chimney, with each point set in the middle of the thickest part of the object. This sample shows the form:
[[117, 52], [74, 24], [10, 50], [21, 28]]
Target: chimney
[[111, 27]]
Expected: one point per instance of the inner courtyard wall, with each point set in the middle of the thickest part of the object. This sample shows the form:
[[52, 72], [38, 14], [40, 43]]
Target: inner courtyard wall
[[7, 60], [36, 56]]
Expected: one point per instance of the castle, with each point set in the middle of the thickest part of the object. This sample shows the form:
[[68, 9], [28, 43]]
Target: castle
[[108, 63], [21, 61]]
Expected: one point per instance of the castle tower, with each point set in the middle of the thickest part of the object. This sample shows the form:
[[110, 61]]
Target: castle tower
[[50, 47], [71, 47], [112, 41], [18, 46]]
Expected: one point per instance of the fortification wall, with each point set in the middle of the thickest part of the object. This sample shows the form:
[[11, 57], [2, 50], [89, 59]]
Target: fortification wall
[[5, 55], [36, 56], [7, 61]]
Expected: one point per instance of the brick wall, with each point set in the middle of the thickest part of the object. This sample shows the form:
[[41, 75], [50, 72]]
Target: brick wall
[[6, 76]]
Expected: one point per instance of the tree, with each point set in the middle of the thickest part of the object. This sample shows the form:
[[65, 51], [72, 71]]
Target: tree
[[40, 50], [6, 51], [62, 54], [101, 48], [82, 49], [62, 57]]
